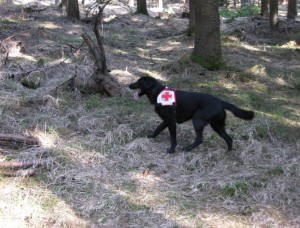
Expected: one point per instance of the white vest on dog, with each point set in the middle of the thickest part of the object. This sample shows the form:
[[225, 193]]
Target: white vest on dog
[[166, 97]]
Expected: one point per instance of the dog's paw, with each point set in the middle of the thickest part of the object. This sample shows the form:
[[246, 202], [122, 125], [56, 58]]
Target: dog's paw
[[150, 136], [230, 150], [170, 151], [187, 149]]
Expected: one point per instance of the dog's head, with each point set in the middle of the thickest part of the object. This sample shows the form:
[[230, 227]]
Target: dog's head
[[143, 85]]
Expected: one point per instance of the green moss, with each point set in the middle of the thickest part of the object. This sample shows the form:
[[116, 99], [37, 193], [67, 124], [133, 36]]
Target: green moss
[[232, 190], [228, 191], [93, 102], [277, 171], [211, 63]]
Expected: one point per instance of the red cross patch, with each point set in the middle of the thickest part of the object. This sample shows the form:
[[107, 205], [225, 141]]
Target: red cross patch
[[166, 98]]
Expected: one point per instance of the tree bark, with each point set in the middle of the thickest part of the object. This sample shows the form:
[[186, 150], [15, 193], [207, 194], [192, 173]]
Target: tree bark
[[19, 164], [292, 9], [18, 173], [142, 7], [264, 9], [192, 15], [73, 9], [207, 49], [9, 139], [274, 22], [100, 40]]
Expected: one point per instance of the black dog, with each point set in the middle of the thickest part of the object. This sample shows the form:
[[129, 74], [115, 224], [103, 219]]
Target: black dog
[[179, 106]]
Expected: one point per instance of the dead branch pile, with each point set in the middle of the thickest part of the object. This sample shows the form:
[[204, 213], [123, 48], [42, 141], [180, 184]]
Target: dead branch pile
[[16, 168], [102, 79]]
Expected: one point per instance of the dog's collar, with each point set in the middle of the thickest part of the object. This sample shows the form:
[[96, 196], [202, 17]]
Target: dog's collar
[[167, 97]]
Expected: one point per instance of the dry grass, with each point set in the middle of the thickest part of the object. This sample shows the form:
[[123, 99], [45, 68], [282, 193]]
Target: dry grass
[[101, 170]]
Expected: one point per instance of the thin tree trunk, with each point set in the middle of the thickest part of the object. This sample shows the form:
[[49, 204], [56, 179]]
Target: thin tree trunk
[[292, 9], [274, 21], [142, 7], [192, 19], [207, 50], [73, 9], [100, 40], [264, 9]]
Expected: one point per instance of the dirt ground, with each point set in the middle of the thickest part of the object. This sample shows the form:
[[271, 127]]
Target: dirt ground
[[99, 169]]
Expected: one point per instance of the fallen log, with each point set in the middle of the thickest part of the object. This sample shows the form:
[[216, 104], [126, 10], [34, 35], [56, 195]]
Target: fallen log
[[7, 139], [18, 173], [19, 164]]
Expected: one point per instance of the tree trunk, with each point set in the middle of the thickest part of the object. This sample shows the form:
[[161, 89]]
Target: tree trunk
[[264, 9], [207, 48], [274, 22], [292, 9], [142, 7], [73, 9], [192, 19], [63, 3]]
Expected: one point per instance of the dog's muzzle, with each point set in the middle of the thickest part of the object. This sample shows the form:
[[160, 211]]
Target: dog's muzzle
[[136, 95]]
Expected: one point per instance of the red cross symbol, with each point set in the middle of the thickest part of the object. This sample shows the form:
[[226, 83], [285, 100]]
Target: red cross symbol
[[166, 96]]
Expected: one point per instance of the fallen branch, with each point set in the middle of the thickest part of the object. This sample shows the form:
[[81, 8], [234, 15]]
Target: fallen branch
[[104, 82], [93, 48], [6, 139], [19, 164], [18, 173]]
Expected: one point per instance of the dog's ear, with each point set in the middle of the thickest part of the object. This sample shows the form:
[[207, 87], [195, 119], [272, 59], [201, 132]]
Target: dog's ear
[[148, 82]]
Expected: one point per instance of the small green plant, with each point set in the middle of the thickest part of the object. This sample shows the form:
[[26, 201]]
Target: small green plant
[[277, 171], [261, 132], [297, 84], [92, 102], [242, 187], [228, 191], [137, 207], [232, 190]]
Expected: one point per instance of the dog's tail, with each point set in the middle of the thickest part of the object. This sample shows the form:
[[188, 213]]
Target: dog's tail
[[238, 112]]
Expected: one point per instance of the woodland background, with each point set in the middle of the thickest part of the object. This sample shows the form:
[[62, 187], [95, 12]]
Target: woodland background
[[72, 156]]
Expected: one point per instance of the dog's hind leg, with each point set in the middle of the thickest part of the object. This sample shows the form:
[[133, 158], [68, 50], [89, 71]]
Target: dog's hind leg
[[199, 125], [172, 130], [220, 129]]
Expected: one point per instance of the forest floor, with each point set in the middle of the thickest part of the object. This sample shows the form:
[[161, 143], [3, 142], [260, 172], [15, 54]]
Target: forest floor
[[99, 169]]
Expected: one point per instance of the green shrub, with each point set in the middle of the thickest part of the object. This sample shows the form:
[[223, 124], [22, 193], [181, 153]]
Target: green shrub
[[244, 11]]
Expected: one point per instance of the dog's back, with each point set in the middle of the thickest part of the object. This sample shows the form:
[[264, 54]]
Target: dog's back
[[189, 102]]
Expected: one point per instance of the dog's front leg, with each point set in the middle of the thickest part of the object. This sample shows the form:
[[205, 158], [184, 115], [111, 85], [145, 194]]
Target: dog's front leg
[[172, 130], [159, 129]]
